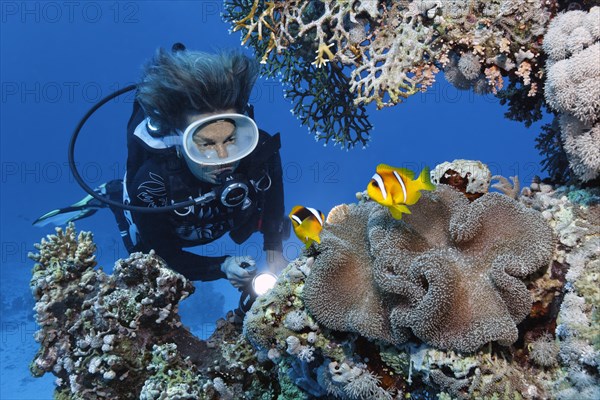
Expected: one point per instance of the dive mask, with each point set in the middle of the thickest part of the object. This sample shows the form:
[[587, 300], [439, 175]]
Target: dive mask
[[199, 151]]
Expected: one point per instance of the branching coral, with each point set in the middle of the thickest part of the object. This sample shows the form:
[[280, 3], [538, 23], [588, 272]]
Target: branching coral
[[172, 377], [573, 86], [320, 93], [385, 51], [325, 108], [449, 273]]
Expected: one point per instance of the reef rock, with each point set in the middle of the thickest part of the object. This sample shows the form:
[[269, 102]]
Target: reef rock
[[97, 331], [470, 177]]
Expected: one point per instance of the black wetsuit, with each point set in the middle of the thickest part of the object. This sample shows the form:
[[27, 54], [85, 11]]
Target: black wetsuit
[[158, 177]]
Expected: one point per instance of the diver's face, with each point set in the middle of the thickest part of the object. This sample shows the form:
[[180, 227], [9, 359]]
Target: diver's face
[[215, 138]]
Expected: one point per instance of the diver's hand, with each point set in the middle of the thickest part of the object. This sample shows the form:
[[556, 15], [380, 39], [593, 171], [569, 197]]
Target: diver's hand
[[236, 273]]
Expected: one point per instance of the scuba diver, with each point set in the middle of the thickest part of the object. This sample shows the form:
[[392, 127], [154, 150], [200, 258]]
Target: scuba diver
[[197, 160]]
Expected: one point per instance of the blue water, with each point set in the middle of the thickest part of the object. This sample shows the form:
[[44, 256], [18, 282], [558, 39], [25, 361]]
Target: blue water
[[59, 58]]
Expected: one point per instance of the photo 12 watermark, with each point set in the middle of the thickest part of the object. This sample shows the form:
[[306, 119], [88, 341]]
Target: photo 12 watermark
[[18, 332], [315, 172], [71, 12], [62, 92], [55, 172]]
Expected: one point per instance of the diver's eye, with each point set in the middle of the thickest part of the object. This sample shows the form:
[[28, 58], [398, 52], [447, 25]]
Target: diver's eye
[[230, 140]]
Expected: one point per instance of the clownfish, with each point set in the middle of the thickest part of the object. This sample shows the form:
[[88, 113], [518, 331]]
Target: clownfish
[[396, 188], [307, 223]]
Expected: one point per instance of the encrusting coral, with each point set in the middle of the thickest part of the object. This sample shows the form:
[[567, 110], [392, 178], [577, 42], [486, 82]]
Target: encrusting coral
[[449, 273]]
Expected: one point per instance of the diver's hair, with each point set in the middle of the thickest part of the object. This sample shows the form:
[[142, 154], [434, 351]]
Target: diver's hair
[[175, 84]]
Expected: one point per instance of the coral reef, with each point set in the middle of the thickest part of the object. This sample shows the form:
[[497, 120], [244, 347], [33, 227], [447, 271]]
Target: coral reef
[[547, 360], [120, 336], [574, 215], [321, 95], [100, 336], [308, 354], [337, 56], [383, 52], [572, 87]]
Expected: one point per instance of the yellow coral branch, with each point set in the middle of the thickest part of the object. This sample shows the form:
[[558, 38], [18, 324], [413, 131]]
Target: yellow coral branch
[[323, 50], [270, 47], [253, 24]]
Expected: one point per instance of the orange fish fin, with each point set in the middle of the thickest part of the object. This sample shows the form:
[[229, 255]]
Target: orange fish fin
[[308, 230], [314, 235], [316, 239], [312, 240]]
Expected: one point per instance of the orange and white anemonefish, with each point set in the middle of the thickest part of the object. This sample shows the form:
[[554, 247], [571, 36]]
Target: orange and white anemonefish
[[396, 188], [307, 223]]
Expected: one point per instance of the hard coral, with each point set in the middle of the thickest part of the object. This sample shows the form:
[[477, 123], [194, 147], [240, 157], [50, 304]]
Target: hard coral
[[96, 330], [450, 273], [470, 177]]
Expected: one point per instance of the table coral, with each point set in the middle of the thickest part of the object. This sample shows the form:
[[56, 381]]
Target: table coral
[[449, 273]]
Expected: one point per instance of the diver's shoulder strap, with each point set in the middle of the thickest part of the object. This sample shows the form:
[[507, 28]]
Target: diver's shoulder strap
[[154, 143]]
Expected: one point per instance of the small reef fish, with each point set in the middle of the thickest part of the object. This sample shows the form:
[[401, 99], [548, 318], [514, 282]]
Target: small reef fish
[[307, 223], [396, 188]]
